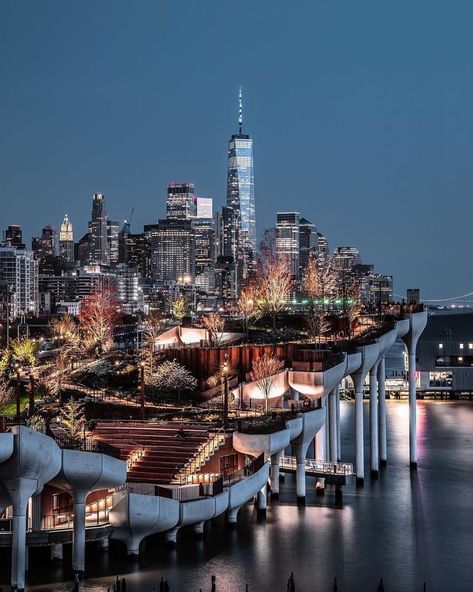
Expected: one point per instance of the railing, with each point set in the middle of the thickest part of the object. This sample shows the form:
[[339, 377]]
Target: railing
[[318, 466], [86, 445], [135, 456], [200, 456]]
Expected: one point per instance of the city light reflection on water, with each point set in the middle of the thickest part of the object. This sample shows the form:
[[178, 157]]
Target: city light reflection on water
[[408, 527]]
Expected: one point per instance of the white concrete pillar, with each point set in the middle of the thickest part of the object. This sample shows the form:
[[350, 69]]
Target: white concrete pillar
[[133, 546], [275, 460], [320, 441], [199, 529], [412, 406], [261, 500], [358, 380], [232, 516], [339, 438], [171, 536], [333, 428], [300, 452], [36, 512], [19, 551], [374, 452], [78, 532], [57, 552], [104, 544], [383, 443]]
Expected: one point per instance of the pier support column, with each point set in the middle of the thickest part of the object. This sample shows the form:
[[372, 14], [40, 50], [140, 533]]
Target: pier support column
[[199, 529], [36, 512], [383, 443], [333, 427], [417, 322], [275, 460], [171, 536], [358, 380], [20, 490], [412, 406], [78, 532], [232, 516], [261, 500], [339, 438], [104, 544], [374, 452], [57, 553], [321, 454], [300, 452]]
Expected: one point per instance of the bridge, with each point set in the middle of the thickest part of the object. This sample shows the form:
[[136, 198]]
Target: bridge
[[454, 301]]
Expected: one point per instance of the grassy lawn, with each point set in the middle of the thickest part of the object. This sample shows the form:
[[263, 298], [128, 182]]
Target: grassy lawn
[[9, 410]]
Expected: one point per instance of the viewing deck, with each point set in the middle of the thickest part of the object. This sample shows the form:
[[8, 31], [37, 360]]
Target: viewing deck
[[334, 473]]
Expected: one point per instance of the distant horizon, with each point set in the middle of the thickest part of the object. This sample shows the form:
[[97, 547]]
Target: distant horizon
[[359, 122]]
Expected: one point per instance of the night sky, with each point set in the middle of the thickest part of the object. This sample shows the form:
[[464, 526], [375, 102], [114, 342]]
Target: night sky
[[361, 114]]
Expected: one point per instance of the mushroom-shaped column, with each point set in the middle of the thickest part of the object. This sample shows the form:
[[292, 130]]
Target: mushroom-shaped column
[[385, 342], [313, 421], [369, 356], [135, 516], [334, 426], [417, 323], [295, 427], [81, 473], [272, 446], [353, 363], [35, 460]]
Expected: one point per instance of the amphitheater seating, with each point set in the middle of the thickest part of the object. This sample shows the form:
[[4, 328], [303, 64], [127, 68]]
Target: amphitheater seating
[[165, 453]]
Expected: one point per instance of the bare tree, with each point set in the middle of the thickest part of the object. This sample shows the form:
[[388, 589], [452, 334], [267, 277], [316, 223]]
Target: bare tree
[[264, 371], [249, 306], [215, 325], [274, 286], [99, 314]]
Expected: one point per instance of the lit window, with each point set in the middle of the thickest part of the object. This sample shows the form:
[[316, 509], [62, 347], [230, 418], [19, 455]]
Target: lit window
[[470, 346], [440, 345], [461, 345]]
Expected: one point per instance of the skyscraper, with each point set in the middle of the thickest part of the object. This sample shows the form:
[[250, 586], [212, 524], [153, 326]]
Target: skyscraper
[[287, 241], [66, 240], [241, 191], [172, 250], [13, 236], [113, 230], [98, 232], [44, 249], [180, 203], [308, 243]]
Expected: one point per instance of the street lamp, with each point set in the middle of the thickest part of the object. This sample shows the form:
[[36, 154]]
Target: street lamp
[[142, 388], [31, 394], [225, 370], [18, 398]]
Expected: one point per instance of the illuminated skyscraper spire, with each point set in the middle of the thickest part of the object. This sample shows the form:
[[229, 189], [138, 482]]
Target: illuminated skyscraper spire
[[240, 110]]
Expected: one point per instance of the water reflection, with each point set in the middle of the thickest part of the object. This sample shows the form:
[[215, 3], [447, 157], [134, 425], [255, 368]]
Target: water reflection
[[406, 526]]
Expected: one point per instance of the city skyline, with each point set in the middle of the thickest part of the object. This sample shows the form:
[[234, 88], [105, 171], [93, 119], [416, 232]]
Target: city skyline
[[331, 123]]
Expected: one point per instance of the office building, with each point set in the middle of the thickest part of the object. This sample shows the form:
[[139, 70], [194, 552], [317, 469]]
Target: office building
[[181, 202], [98, 232], [203, 207], [113, 230], [287, 241], [241, 195], [13, 236], [66, 241], [172, 250], [44, 249], [413, 295], [19, 273], [345, 258], [308, 244]]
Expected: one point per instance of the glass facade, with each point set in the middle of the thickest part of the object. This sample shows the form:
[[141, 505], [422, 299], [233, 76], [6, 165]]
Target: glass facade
[[241, 186]]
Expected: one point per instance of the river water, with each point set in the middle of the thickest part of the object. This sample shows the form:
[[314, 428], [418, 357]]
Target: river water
[[408, 527]]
